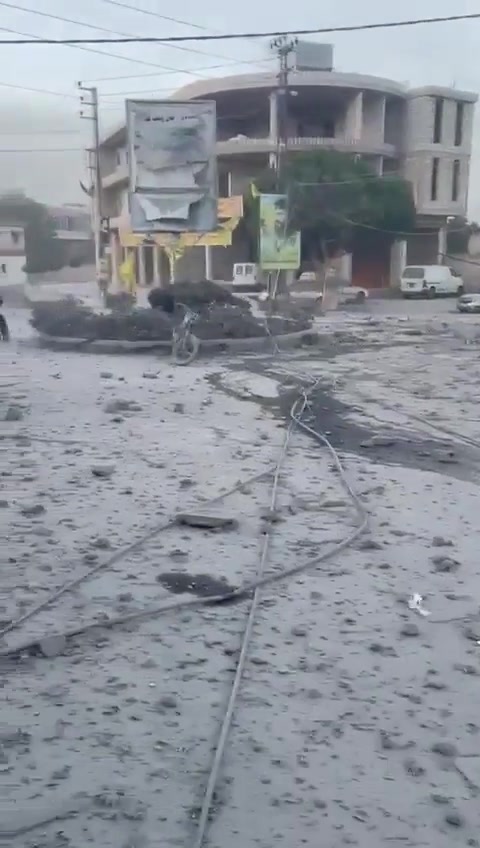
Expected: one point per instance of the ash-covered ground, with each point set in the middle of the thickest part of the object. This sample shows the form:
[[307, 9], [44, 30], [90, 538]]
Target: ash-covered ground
[[356, 722]]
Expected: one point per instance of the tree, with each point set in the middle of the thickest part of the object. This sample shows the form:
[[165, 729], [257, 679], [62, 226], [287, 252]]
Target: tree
[[333, 197], [459, 231], [42, 248]]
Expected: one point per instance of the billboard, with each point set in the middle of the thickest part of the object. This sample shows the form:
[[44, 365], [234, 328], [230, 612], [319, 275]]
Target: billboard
[[312, 56], [279, 250], [172, 166]]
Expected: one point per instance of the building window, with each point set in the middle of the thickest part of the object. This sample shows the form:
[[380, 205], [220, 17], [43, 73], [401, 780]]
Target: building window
[[455, 179], [459, 115], [434, 185], [438, 120], [223, 184]]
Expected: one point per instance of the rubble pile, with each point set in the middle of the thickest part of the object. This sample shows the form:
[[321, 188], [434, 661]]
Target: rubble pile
[[70, 319]]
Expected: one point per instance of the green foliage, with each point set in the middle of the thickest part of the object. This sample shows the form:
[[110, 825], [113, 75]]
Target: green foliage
[[334, 198], [42, 249], [459, 231]]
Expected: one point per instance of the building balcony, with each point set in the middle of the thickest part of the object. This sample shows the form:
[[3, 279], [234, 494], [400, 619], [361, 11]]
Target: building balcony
[[116, 177], [242, 145]]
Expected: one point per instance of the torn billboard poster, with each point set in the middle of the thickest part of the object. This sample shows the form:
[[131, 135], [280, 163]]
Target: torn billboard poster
[[172, 166]]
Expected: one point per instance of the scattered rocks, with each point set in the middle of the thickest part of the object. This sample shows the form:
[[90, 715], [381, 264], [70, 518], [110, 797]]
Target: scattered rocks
[[410, 629], [472, 632], [413, 768], [444, 749], [113, 407], [454, 819], [379, 442], [272, 516], [102, 545], [206, 522], [445, 565], [369, 545], [167, 702], [440, 542], [441, 800], [32, 510], [179, 408], [52, 646], [106, 375], [103, 471], [383, 650], [14, 413], [298, 630]]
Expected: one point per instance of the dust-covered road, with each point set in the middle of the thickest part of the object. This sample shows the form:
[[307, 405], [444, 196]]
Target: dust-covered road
[[356, 721]]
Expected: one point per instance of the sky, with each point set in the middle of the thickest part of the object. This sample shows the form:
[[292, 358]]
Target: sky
[[42, 132]]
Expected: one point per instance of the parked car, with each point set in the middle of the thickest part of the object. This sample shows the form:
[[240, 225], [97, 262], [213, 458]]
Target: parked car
[[347, 294], [430, 281], [469, 303]]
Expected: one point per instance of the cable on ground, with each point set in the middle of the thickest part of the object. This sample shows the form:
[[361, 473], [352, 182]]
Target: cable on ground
[[240, 594], [117, 556]]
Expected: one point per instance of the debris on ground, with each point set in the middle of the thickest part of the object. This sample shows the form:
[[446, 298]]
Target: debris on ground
[[206, 522], [227, 317]]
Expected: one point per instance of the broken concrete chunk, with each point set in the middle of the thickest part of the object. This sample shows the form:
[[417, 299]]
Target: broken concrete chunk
[[13, 413], [103, 471], [206, 522], [444, 564], [31, 510], [52, 646]]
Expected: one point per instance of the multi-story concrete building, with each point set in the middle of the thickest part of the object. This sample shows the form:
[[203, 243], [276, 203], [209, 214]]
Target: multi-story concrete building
[[423, 134]]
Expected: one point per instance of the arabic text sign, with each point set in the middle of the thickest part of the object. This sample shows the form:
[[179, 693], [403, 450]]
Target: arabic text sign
[[172, 165]]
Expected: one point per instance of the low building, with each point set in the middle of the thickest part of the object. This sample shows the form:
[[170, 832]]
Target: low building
[[12, 255], [73, 228], [422, 134]]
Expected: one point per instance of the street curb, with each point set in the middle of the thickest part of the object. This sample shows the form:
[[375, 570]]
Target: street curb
[[221, 345]]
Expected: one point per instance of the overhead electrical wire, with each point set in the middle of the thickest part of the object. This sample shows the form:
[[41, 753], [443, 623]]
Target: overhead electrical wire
[[39, 90], [155, 14], [42, 150], [231, 36], [76, 45], [185, 71], [52, 16]]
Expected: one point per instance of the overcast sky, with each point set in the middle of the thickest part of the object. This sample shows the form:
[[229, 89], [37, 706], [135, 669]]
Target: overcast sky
[[444, 54]]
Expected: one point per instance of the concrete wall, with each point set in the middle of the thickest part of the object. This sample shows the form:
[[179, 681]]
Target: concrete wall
[[11, 273], [12, 240]]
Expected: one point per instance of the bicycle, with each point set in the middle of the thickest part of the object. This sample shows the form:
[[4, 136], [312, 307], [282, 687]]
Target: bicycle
[[185, 345]]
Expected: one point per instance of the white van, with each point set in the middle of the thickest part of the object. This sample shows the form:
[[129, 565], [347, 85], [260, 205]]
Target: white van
[[430, 281]]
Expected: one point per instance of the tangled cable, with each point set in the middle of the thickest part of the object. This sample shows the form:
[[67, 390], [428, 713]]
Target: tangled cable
[[248, 590]]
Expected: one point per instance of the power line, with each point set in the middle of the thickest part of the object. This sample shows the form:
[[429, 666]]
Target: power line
[[42, 150], [37, 39], [154, 14], [39, 132], [54, 17], [167, 73], [158, 15], [38, 90], [235, 35]]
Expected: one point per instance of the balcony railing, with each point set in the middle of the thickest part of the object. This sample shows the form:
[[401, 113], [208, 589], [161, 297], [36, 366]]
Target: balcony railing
[[267, 145], [118, 175]]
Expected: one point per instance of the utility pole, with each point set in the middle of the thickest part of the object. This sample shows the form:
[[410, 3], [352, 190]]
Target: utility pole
[[283, 47], [92, 103]]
